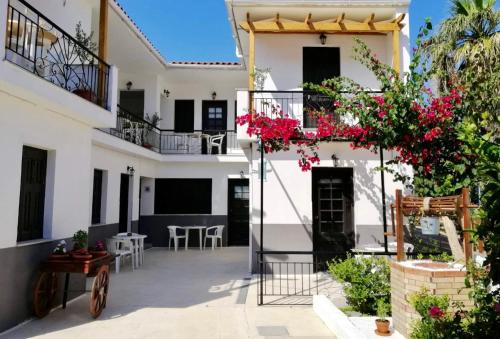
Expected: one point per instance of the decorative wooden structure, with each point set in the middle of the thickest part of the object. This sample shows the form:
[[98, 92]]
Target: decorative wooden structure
[[46, 285], [458, 205]]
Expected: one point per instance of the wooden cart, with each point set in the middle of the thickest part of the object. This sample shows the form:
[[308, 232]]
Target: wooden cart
[[46, 285]]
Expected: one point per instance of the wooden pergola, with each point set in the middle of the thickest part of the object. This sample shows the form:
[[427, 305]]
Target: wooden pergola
[[337, 25]]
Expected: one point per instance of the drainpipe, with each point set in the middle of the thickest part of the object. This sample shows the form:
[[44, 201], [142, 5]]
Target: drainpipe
[[382, 180], [261, 269]]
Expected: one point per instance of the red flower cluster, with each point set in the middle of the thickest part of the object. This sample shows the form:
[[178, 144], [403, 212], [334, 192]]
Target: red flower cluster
[[435, 312]]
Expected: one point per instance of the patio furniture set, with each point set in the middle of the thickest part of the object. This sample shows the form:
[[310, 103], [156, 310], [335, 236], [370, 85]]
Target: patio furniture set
[[214, 233], [125, 245]]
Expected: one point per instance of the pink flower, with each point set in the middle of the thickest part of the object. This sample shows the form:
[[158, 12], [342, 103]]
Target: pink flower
[[435, 312], [497, 307]]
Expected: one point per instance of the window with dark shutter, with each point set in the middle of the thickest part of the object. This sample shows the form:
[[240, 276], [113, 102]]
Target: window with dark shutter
[[183, 196], [97, 197], [184, 116]]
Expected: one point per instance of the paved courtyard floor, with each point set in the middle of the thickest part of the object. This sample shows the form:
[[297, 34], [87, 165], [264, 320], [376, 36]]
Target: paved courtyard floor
[[184, 295]]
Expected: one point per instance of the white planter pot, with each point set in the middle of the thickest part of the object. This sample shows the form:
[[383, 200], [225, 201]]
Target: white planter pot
[[430, 225]]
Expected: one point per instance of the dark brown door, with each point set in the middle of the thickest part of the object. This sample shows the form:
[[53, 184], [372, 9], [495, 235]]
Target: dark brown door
[[32, 197], [238, 212], [333, 229], [124, 187], [133, 101], [97, 197], [214, 121], [184, 116]]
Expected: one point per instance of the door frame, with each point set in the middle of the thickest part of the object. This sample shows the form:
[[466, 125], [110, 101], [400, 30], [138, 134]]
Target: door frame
[[229, 181], [345, 172]]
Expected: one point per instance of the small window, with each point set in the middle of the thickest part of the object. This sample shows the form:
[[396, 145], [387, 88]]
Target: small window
[[241, 192], [97, 197], [183, 196]]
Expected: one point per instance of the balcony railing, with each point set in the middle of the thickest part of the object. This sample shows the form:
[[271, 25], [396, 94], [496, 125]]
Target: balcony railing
[[38, 45], [295, 104], [131, 128]]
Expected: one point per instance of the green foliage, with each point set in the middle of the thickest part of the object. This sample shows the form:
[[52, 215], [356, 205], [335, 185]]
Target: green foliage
[[366, 280], [80, 239], [383, 309], [422, 301]]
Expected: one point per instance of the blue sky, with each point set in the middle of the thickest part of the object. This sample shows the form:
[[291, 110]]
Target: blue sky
[[198, 30]]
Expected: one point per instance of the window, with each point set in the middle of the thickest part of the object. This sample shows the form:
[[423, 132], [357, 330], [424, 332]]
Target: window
[[32, 197], [97, 197], [133, 102], [183, 196], [242, 192]]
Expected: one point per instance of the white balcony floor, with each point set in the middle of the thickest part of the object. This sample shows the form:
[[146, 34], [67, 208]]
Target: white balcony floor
[[188, 294]]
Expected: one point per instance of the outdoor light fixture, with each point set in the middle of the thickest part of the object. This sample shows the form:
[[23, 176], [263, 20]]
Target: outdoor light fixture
[[166, 92], [242, 174], [129, 85], [322, 38], [130, 170], [214, 95], [335, 160]]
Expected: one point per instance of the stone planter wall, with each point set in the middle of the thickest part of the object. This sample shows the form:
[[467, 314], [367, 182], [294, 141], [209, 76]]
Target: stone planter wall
[[406, 278]]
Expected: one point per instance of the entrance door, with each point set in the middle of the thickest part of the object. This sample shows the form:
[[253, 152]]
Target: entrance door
[[124, 190], [214, 121], [333, 229], [32, 197], [184, 116], [238, 212]]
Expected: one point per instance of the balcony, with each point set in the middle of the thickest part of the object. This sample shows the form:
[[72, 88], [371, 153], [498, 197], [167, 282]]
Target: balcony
[[40, 46], [142, 133]]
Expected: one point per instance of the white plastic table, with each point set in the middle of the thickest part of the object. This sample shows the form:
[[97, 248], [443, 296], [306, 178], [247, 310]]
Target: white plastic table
[[200, 233], [138, 243]]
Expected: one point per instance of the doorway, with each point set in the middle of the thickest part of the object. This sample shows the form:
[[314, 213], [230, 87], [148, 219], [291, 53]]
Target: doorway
[[333, 227], [124, 197], [214, 121], [238, 212]]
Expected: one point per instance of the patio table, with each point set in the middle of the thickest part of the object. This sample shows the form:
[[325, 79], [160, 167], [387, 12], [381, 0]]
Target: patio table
[[200, 233], [138, 249]]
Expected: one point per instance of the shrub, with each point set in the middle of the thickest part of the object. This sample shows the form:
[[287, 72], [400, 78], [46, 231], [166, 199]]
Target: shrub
[[366, 280]]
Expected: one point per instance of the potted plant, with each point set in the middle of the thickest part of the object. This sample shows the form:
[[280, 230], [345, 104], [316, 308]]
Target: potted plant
[[80, 251], [382, 322], [85, 44], [59, 251], [153, 120], [99, 250]]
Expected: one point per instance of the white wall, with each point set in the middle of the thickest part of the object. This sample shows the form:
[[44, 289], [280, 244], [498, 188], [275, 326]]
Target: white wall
[[69, 177], [219, 173], [115, 163]]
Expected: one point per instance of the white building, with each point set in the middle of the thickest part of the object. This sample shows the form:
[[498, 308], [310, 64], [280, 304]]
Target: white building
[[78, 154]]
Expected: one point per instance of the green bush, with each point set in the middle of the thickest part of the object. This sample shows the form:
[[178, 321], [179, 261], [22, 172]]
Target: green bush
[[365, 279]]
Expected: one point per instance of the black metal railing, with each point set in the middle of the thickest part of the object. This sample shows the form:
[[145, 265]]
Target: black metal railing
[[293, 277], [38, 45], [295, 104], [141, 132]]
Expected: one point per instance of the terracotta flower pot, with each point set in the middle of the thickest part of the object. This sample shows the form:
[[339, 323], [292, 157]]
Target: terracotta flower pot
[[96, 254], [382, 327], [56, 256]]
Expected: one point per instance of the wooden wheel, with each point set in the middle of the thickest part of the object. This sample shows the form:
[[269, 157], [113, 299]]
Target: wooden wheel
[[44, 294], [99, 291]]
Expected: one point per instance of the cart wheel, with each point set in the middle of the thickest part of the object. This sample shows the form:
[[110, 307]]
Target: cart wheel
[[99, 291], [44, 294]]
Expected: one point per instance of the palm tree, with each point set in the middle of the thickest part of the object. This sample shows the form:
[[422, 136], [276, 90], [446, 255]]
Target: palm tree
[[469, 38]]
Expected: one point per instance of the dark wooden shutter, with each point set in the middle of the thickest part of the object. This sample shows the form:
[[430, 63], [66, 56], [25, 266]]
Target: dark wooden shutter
[[133, 102], [97, 197], [32, 197], [183, 196], [184, 116], [320, 63]]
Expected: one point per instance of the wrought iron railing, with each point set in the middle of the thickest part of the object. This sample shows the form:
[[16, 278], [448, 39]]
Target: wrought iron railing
[[40, 46], [295, 104], [136, 130]]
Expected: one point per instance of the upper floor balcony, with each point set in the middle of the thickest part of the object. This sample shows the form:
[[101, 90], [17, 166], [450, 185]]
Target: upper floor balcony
[[44, 64], [143, 133]]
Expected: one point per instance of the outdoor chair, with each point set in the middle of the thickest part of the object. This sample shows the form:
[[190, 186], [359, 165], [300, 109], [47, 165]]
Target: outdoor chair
[[120, 248], [214, 233], [176, 233], [215, 141]]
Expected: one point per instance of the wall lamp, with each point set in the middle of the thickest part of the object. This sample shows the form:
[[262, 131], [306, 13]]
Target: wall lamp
[[130, 170], [322, 38], [242, 174], [335, 160], [166, 92], [214, 95], [129, 85]]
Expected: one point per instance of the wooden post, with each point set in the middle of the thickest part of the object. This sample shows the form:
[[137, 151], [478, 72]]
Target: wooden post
[[400, 248], [103, 47], [395, 51], [466, 224], [251, 68]]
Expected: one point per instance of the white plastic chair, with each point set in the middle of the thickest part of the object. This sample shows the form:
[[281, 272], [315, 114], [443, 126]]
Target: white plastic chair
[[173, 235], [138, 246], [120, 248], [215, 141], [214, 233]]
